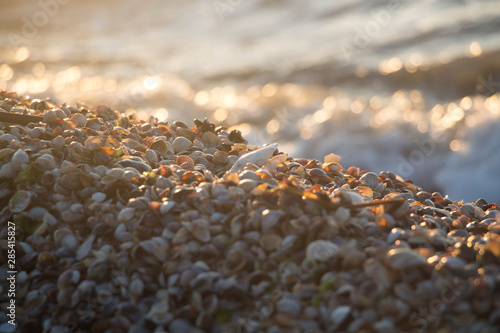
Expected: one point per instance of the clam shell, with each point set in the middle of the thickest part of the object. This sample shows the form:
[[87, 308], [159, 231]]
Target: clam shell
[[19, 159], [370, 179], [235, 262], [402, 258], [185, 162], [79, 119], [181, 144], [210, 139], [93, 143], [220, 157], [322, 250], [20, 201]]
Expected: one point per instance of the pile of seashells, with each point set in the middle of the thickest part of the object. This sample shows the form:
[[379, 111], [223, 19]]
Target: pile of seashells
[[131, 226]]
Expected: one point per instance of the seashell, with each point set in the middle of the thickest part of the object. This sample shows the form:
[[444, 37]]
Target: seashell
[[50, 116], [19, 159], [198, 143], [339, 316], [220, 157], [163, 147], [20, 201], [235, 262], [67, 278], [181, 144], [49, 219], [45, 162], [258, 157], [365, 190], [289, 305], [270, 242], [84, 248], [34, 305], [332, 158], [316, 172], [322, 250], [45, 259], [199, 229], [248, 184], [98, 271], [185, 162], [332, 167], [7, 171], [79, 119], [248, 174], [138, 165], [93, 143], [270, 218], [370, 179], [126, 214], [276, 161], [402, 258], [65, 238], [151, 156], [98, 197], [210, 139], [58, 142], [467, 210], [159, 313]]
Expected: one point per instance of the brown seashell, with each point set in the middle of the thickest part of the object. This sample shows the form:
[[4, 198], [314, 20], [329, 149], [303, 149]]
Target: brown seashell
[[220, 157], [332, 167], [185, 162]]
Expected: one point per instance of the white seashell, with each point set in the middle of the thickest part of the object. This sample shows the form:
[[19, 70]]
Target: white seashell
[[322, 250], [275, 161], [84, 249], [45, 162], [58, 142], [98, 197], [19, 159], [20, 201], [50, 116], [181, 144], [258, 157], [7, 171], [151, 156], [126, 214], [332, 158]]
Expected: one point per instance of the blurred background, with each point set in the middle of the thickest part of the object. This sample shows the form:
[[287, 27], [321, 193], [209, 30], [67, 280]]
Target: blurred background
[[406, 86]]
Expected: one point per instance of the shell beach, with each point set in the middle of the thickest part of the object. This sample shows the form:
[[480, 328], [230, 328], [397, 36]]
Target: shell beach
[[124, 225]]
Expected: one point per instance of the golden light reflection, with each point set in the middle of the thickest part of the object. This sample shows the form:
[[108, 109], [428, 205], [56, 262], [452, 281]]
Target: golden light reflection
[[39, 69], [6, 72], [466, 103], [151, 83], [270, 89], [375, 102], [161, 114], [322, 115], [423, 127], [273, 126], [329, 102], [201, 98], [474, 50], [356, 107], [306, 133], [220, 115], [20, 55], [455, 145]]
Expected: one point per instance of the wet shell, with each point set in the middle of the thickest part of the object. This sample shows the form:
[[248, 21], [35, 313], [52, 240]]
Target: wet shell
[[181, 144], [20, 201]]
